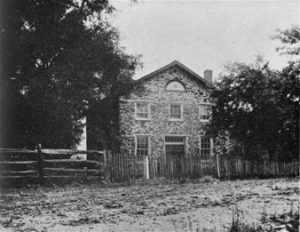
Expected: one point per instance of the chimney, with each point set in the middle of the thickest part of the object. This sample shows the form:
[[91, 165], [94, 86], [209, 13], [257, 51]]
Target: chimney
[[208, 75]]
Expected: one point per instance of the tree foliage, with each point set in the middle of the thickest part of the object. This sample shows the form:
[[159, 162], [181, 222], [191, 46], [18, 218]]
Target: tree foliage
[[59, 59], [258, 108], [290, 39]]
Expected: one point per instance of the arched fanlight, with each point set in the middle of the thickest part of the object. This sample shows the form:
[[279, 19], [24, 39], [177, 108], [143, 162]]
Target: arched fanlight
[[175, 86]]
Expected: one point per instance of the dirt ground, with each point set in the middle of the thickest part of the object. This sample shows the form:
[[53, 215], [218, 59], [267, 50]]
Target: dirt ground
[[150, 207]]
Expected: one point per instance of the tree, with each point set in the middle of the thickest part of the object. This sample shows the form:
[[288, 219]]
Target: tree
[[259, 108], [289, 89], [245, 106], [290, 39], [59, 60]]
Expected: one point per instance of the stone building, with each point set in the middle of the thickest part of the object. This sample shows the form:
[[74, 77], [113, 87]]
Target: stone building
[[167, 118]]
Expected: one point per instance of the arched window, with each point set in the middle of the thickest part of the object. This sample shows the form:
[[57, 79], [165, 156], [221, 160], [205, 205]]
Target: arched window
[[175, 86]]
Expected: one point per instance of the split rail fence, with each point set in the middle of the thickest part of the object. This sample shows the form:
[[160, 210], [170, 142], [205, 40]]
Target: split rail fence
[[19, 167]]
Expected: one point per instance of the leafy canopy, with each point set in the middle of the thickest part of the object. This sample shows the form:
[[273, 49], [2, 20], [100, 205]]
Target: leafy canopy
[[59, 58], [258, 108]]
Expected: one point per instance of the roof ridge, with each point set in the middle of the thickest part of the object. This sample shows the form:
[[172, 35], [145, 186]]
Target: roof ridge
[[176, 62]]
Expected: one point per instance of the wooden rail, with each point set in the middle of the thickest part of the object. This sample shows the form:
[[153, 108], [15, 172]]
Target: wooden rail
[[45, 165]]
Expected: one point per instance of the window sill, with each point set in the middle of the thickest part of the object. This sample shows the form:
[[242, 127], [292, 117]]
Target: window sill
[[204, 120], [175, 120], [143, 119], [182, 91]]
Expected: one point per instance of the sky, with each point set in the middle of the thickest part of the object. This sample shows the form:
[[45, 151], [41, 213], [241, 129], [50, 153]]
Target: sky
[[202, 34]]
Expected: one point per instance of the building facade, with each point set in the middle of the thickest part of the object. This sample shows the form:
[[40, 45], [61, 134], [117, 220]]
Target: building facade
[[167, 118]]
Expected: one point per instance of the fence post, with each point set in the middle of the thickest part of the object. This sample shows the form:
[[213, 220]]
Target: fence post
[[146, 167], [109, 165], [105, 164], [218, 166], [100, 158], [40, 165], [104, 160]]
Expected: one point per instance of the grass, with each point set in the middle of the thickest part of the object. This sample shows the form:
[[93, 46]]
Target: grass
[[238, 225], [267, 223]]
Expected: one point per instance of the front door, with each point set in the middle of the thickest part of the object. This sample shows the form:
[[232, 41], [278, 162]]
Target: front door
[[175, 149]]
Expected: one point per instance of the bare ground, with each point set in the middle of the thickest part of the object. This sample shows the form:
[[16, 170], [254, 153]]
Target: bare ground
[[150, 207]]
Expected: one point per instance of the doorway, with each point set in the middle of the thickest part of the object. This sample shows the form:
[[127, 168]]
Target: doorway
[[175, 150]]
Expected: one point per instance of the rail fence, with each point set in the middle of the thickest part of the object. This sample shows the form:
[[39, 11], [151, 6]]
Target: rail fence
[[19, 167]]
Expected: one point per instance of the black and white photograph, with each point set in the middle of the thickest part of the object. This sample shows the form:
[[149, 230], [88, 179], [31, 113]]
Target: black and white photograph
[[149, 115]]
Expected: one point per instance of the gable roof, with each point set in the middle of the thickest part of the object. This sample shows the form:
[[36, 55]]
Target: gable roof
[[180, 65]]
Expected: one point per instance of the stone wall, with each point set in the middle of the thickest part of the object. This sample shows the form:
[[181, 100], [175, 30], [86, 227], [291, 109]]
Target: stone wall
[[160, 125]]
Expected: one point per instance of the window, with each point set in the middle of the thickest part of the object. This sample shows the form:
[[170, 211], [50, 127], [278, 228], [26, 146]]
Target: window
[[206, 146], [142, 111], [142, 145], [174, 146], [175, 112], [205, 112], [175, 86]]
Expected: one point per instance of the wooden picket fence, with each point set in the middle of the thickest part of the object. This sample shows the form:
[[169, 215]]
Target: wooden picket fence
[[184, 167], [237, 167], [127, 167], [19, 167], [123, 167]]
